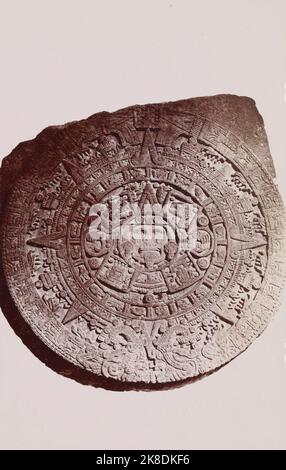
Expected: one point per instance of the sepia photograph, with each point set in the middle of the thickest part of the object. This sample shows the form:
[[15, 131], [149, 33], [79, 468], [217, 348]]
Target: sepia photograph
[[142, 221]]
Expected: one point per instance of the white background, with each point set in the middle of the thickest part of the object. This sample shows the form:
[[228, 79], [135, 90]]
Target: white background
[[63, 60]]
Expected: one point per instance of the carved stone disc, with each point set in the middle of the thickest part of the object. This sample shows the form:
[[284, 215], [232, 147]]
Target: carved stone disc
[[144, 310]]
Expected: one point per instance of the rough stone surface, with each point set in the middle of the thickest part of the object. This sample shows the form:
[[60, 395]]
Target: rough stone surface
[[136, 314]]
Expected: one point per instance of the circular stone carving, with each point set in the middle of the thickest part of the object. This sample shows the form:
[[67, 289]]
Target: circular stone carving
[[137, 309]]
